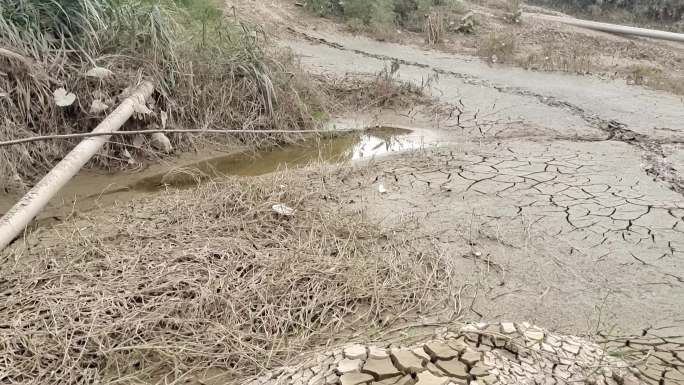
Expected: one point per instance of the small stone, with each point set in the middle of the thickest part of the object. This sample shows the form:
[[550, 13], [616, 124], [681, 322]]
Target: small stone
[[454, 368], [440, 351], [489, 379], [406, 361], [332, 379], [348, 366], [378, 353], [355, 378], [571, 348], [355, 352], [479, 371], [547, 348], [380, 368], [427, 378], [471, 357], [481, 325], [508, 328], [420, 352]]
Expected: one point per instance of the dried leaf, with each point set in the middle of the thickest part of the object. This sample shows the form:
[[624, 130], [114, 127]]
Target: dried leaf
[[99, 72], [98, 107], [63, 98]]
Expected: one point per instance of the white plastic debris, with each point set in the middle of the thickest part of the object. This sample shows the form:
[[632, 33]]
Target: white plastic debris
[[99, 73], [283, 210], [63, 98], [382, 189], [97, 106]]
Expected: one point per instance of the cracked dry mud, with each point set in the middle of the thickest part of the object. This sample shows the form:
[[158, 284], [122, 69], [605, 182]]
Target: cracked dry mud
[[489, 354], [573, 236]]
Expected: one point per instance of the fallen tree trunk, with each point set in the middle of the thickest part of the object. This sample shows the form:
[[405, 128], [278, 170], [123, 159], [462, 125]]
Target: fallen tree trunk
[[22, 213], [614, 28]]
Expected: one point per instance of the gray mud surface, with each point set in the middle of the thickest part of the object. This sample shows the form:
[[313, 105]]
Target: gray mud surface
[[561, 194]]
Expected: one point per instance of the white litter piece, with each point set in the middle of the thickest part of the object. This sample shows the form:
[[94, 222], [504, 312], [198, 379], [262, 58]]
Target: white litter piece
[[98, 107], [63, 98], [382, 189], [283, 210]]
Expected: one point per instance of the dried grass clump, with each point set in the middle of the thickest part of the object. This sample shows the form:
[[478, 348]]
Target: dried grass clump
[[384, 89], [207, 278], [209, 71], [498, 48]]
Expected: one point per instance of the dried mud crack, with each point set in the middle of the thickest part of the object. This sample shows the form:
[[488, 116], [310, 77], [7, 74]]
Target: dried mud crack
[[656, 163], [488, 354]]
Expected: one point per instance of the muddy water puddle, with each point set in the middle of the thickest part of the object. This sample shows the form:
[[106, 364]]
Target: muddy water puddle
[[88, 191]]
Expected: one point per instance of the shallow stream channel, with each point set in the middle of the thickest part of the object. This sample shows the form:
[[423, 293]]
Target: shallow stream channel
[[91, 190]]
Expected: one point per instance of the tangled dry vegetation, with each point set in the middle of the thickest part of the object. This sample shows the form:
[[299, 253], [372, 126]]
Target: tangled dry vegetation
[[210, 71], [207, 278]]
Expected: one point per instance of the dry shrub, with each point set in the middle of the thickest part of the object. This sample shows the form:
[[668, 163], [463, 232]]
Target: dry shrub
[[381, 90], [566, 57], [435, 27], [206, 278], [655, 78], [497, 48]]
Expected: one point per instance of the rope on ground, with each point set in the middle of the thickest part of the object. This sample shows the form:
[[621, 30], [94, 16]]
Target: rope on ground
[[188, 131]]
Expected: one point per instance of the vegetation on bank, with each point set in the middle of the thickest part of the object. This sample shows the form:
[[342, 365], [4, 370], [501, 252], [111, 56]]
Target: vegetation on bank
[[210, 71], [670, 13], [382, 14]]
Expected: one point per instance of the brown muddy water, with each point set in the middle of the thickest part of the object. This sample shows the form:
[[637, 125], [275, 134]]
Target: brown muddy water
[[90, 190]]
